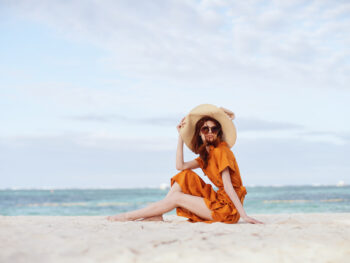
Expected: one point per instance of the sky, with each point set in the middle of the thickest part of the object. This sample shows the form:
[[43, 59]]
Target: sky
[[91, 91]]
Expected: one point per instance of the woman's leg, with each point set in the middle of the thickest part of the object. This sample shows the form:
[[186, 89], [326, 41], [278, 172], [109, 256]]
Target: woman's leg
[[148, 213], [175, 188], [154, 209], [195, 204]]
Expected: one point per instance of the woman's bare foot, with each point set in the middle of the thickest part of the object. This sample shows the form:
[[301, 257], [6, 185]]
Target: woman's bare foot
[[120, 217], [153, 218]]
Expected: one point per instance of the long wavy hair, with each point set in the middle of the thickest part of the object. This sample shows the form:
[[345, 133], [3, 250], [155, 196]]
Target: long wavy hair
[[197, 143]]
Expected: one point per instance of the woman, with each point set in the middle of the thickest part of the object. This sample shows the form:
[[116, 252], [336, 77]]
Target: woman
[[209, 131]]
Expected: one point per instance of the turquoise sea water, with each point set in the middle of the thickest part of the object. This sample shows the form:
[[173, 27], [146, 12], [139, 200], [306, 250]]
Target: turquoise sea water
[[259, 200]]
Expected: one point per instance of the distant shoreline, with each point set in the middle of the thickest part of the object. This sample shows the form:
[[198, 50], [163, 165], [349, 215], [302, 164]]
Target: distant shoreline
[[159, 187]]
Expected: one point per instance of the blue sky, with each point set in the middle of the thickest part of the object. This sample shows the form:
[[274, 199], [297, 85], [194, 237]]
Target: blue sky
[[92, 91]]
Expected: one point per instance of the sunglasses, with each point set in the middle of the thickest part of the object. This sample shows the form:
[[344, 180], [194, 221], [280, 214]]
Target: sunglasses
[[214, 129]]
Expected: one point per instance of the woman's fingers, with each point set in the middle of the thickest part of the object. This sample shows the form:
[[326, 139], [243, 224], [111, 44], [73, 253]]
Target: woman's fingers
[[183, 121], [229, 113], [257, 222], [181, 124], [252, 220]]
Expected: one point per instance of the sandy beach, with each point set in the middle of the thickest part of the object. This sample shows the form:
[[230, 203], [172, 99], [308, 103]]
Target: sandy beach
[[283, 238]]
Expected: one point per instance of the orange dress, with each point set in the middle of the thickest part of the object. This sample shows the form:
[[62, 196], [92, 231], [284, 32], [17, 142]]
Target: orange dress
[[220, 204]]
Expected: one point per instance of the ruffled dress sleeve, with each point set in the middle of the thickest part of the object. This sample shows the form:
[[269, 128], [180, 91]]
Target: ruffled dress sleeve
[[224, 158], [200, 162]]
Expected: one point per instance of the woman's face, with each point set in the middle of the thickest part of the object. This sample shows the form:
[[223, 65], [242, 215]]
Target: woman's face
[[209, 137]]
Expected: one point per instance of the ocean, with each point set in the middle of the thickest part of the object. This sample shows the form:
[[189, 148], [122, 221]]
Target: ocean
[[94, 202]]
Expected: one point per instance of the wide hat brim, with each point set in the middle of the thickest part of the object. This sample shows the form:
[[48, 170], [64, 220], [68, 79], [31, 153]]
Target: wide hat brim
[[227, 126]]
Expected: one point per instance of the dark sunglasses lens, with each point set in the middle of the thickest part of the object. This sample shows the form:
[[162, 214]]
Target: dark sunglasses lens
[[205, 130], [214, 129]]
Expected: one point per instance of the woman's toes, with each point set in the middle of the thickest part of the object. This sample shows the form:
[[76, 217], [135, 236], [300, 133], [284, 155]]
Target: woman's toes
[[120, 217]]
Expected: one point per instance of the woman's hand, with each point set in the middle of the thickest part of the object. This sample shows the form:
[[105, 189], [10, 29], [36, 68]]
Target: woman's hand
[[181, 124], [229, 113], [251, 220]]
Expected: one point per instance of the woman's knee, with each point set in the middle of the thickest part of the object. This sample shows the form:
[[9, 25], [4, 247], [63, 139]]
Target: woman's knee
[[176, 198], [174, 189], [173, 198]]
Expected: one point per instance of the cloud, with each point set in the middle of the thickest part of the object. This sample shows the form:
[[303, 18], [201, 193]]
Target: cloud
[[100, 160], [344, 136], [251, 124], [199, 41], [250, 56], [278, 60], [162, 121], [244, 124]]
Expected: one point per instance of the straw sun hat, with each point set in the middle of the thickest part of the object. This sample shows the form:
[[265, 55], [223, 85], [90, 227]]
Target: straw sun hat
[[222, 115]]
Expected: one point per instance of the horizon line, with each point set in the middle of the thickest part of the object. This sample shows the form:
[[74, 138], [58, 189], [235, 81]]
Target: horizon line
[[157, 187]]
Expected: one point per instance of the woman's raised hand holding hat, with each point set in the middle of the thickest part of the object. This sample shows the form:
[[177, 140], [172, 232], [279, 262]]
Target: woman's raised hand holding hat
[[181, 124], [229, 113]]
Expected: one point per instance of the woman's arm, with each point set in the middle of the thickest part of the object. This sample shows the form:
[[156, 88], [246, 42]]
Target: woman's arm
[[180, 164], [179, 154], [226, 179]]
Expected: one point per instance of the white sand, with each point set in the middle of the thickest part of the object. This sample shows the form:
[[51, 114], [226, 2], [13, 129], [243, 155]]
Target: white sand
[[284, 238]]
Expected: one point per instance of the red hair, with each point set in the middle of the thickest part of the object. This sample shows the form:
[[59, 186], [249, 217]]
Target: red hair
[[197, 143]]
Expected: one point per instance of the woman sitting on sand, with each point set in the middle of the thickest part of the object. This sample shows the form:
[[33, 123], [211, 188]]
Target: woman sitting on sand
[[208, 131]]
